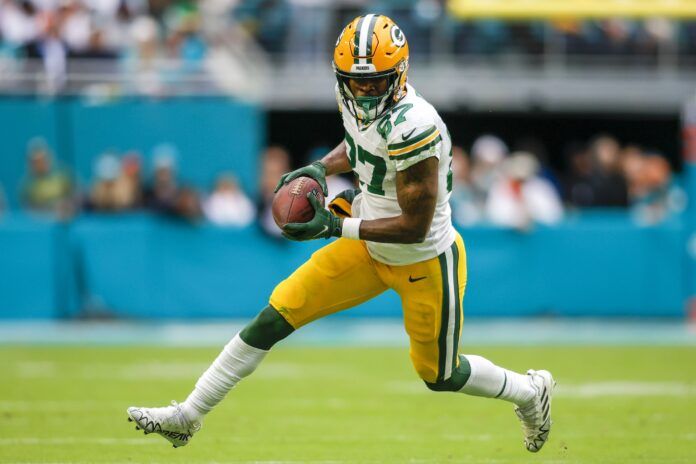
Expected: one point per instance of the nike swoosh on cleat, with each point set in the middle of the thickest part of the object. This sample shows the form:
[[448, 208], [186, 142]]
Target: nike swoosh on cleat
[[407, 135], [411, 279]]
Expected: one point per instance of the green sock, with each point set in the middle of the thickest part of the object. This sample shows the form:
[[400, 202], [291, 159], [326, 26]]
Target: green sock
[[267, 329]]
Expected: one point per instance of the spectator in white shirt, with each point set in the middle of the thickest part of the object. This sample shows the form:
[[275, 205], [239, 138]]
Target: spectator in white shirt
[[520, 197], [228, 205], [487, 154]]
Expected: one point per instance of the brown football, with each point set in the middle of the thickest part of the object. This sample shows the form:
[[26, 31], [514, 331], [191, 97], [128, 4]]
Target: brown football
[[291, 204]]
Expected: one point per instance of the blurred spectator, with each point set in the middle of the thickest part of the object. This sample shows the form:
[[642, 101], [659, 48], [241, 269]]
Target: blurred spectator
[[185, 41], [654, 196], [609, 184], [74, 26], [632, 163], [185, 29], [132, 173], [161, 194], [187, 205], [113, 190], [520, 197], [488, 153], [537, 148], [227, 205], [275, 161], [266, 20], [140, 59], [54, 54], [19, 28], [46, 188], [579, 190], [466, 209]]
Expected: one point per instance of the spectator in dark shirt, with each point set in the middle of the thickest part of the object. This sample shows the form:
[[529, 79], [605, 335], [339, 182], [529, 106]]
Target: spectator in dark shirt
[[187, 205], [609, 184], [578, 189], [161, 194]]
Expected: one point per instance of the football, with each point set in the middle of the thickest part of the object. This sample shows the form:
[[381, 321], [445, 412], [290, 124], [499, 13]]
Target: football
[[291, 204]]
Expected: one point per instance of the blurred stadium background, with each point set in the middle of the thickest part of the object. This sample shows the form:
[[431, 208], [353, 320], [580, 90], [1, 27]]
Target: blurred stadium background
[[140, 141]]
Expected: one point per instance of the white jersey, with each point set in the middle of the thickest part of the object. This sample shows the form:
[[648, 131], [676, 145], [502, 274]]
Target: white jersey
[[407, 134]]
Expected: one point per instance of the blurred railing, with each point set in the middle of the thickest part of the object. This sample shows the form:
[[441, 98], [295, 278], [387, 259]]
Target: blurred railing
[[630, 65], [105, 77]]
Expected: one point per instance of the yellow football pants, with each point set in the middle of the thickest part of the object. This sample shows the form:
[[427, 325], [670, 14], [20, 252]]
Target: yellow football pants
[[342, 275]]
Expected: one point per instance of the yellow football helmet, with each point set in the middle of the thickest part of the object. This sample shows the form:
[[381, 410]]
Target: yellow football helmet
[[371, 47]]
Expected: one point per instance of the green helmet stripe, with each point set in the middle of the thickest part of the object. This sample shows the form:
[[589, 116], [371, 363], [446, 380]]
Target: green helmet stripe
[[356, 37]]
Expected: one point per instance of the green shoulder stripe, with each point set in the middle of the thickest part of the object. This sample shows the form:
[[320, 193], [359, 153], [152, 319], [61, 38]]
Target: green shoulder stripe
[[415, 152], [411, 141]]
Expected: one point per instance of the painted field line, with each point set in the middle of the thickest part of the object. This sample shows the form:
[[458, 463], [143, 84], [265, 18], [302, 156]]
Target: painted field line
[[626, 388], [584, 390], [57, 405], [411, 461], [36, 441]]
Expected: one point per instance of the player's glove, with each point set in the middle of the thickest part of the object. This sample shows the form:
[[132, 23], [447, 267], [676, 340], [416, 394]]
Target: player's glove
[[316, 171], [342, 204], [323, 224]]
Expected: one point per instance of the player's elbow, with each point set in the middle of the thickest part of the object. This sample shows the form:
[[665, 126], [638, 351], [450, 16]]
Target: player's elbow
[[419, 238], [412, 236], [416, 232]]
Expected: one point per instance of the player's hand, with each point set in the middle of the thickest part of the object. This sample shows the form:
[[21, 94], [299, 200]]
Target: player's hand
[[348, 195], [316, 171], [342, 204], [323, 224]]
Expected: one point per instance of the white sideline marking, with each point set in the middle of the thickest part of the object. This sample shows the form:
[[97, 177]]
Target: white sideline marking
[[33, 441], [410, 461], [584, 390], [55, 405], [158, 370], [626, 388]]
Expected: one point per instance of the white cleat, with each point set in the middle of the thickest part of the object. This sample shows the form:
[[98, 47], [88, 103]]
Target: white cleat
[[168, 421], [536, 416]]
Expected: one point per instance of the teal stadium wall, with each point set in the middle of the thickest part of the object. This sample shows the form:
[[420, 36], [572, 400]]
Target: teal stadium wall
[[210, 135], [146, 267], [140, 266]]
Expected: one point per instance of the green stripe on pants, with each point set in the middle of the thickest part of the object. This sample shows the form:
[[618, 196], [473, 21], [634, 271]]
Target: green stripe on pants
[[442, 337], [457, 307]]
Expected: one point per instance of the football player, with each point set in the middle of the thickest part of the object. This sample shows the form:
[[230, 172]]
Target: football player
[[395, 233]]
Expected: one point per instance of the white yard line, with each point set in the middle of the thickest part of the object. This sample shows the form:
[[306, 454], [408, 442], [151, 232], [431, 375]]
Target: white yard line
[[626, 388], [60, 405], [412, 461], [585, 390], [69, 441]]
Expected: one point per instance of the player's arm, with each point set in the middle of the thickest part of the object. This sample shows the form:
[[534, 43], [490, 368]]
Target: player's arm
[[416, 191], [335, 162]]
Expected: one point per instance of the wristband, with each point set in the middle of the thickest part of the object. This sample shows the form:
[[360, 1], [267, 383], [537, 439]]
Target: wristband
[[351, 228]]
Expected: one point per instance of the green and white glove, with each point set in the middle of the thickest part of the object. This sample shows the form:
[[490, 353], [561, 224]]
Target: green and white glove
[[323, 224], [316, 171]]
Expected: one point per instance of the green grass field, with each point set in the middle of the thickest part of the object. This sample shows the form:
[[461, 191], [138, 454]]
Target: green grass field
[[345, 405]]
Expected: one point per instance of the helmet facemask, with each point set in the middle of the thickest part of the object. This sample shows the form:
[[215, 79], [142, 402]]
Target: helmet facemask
[[366, 109]]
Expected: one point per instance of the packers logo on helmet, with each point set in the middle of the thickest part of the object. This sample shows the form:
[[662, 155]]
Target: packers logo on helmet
[[371, 47]]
